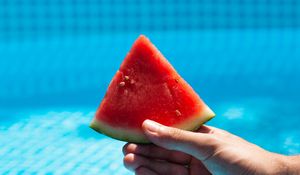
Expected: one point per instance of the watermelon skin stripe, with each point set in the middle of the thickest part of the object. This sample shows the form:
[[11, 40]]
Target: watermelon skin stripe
[[137, 136], [123, 134]]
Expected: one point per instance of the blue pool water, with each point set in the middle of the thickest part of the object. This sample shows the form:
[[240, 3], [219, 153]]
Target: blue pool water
[[250, 78], [58, 141], [55, 141], [58, 57]]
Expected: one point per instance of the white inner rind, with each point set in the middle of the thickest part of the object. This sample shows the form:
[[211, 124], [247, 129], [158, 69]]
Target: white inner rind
[[136, 136]]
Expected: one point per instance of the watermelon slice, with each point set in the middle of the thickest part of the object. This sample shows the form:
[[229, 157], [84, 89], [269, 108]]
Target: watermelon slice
[[147, 87]]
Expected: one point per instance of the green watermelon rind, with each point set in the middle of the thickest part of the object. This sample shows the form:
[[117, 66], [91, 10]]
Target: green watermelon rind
[[118, 133], [136, 136]]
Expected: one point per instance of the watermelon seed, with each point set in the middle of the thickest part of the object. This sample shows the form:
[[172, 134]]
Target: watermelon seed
[[178, 113], [126, 77], [122, 83], [126, 92]]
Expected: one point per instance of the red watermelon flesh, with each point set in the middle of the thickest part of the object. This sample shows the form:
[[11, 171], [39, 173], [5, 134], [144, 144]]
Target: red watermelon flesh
[[147, 87]]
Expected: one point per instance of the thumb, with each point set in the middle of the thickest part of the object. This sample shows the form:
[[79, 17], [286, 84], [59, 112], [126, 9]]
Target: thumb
[[199, 145]]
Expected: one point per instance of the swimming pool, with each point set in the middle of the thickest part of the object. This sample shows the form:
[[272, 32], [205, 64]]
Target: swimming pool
[[250, 78], [57, 58]]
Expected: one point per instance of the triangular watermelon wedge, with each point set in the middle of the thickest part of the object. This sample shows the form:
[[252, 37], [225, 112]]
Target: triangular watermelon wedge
[[147, 87]]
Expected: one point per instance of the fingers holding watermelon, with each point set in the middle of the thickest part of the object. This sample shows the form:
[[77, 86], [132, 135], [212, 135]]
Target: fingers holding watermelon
[[169, 159], [134, 161], [179, 140], [156, 152], [209, 150]]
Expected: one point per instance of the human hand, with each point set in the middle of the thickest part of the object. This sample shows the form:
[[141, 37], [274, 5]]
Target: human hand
[[209, 150]]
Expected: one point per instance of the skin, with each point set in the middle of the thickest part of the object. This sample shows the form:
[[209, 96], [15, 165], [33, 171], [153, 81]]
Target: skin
[[208, 151]]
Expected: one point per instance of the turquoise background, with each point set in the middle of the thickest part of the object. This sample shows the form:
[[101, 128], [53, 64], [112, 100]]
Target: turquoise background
[[57, 58]]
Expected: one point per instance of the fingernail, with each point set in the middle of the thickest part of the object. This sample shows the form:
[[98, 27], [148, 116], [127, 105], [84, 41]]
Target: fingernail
[[151, 126]]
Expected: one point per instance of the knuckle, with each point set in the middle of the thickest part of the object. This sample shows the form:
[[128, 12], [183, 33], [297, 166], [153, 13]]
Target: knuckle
[[214, 144], [211, 139], [167, 134], [176, 134]]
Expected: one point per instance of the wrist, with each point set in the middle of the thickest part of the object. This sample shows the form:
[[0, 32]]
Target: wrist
[[289, 165], [283, 165], [277, 164], [292, 164]]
